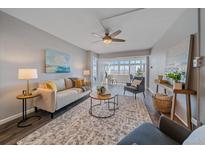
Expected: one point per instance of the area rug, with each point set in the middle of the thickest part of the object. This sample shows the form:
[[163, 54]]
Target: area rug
[[77, 126]]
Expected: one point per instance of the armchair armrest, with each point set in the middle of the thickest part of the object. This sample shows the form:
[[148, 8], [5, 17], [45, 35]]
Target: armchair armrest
[[128, 84], [174, 130], [47, 101]]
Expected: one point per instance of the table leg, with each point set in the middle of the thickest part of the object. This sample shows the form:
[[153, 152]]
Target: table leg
[[23, 116], [165, 91], [173, 106], [25, 108], [108, 103], [114, 105], [157, 88], [117, 99], [91, 104], [188, 110]]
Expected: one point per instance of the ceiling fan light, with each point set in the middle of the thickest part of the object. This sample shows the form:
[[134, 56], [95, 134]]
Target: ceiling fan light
[[107, 41]]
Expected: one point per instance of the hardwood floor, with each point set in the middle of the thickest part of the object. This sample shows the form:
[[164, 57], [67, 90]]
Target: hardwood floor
[[10, 133]]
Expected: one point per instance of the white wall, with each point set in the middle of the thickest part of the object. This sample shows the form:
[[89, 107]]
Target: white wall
[[185, 25], [126, 54], [22, 46], [202, 71]]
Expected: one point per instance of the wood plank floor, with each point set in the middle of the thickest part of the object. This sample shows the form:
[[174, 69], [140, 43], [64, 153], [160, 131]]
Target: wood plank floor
[[10, 133]]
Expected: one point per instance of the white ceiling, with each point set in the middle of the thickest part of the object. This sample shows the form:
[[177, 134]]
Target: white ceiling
[[141, 29]]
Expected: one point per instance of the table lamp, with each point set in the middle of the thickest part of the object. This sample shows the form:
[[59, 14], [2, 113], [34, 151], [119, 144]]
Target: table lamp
[[27, 74], [86, 73]]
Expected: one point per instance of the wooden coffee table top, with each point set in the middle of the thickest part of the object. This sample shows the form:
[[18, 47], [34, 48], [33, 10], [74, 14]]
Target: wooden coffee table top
[[94, 95]]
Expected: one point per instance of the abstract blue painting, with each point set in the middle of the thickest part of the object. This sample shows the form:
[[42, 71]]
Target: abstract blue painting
[[57, 62]]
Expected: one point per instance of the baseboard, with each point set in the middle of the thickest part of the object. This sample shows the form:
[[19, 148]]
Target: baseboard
[[194, 121], [3, 121]]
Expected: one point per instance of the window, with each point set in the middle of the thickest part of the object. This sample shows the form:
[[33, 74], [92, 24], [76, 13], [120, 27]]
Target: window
[[134, 69], [94, 68], [114, 69], [124, 69], [121, 66]]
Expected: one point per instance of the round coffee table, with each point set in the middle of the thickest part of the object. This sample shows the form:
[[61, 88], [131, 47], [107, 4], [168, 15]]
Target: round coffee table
[[107, 100]]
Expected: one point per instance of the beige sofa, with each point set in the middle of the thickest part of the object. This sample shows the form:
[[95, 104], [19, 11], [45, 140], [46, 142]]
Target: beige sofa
[[53, 100]]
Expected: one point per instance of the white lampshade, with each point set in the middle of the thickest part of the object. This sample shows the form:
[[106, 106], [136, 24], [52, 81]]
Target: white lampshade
[[27, 74], [86, 72]]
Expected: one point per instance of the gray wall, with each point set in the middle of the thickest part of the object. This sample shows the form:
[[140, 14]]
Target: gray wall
[[22, 46], [185, 25]]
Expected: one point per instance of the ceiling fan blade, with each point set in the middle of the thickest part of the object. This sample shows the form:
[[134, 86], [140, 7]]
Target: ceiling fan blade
[[97, 35], [117, 40], [97, 41], [115, 33]]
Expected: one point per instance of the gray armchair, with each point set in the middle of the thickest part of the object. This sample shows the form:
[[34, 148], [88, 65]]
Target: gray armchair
[[168, 133], [135, 90]]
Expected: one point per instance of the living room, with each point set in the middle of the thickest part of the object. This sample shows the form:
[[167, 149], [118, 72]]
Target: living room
[[102, 76]]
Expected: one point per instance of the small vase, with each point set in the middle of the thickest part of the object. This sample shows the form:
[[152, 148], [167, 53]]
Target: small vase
[[177, 85], [160, 77]]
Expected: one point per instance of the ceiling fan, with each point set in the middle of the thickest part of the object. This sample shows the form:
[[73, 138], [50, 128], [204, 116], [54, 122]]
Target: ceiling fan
[[109, 38]]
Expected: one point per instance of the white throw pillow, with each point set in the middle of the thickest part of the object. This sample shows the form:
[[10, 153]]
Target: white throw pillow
[[68, 83], [136, 82], [60, 84], [197, 137]]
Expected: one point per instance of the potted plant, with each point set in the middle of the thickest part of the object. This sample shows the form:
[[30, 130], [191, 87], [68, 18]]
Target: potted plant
[[139, 73], [101, 90], [176, 77]]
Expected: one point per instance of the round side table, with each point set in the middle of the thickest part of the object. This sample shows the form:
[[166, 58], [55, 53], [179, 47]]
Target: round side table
[[24, 108]]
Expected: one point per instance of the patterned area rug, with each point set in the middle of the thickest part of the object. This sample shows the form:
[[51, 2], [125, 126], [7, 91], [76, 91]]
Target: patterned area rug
[[77, 126]]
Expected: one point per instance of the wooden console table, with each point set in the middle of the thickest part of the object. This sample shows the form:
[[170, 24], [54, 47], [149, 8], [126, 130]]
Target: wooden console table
[[187, 92]]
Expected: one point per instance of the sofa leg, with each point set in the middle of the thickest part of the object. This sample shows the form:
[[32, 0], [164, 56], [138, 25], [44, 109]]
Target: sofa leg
[[124, 92], [51, 115], [135, 97], [36, 109]]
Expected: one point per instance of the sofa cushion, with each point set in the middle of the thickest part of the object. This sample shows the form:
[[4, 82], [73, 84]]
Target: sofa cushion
[[136, 82], [78, 90], [147, 134], [197, 137], [68, 83], [66, 97], [60, 84]]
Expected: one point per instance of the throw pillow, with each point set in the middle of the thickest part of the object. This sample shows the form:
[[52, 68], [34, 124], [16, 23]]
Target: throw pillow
[[136, 82], [68, 83], [51, 85], [83, 82], [60, 84], [78, 83], [197, 137]]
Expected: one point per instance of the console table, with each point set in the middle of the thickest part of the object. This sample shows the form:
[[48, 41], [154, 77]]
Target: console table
[[187, 92]]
